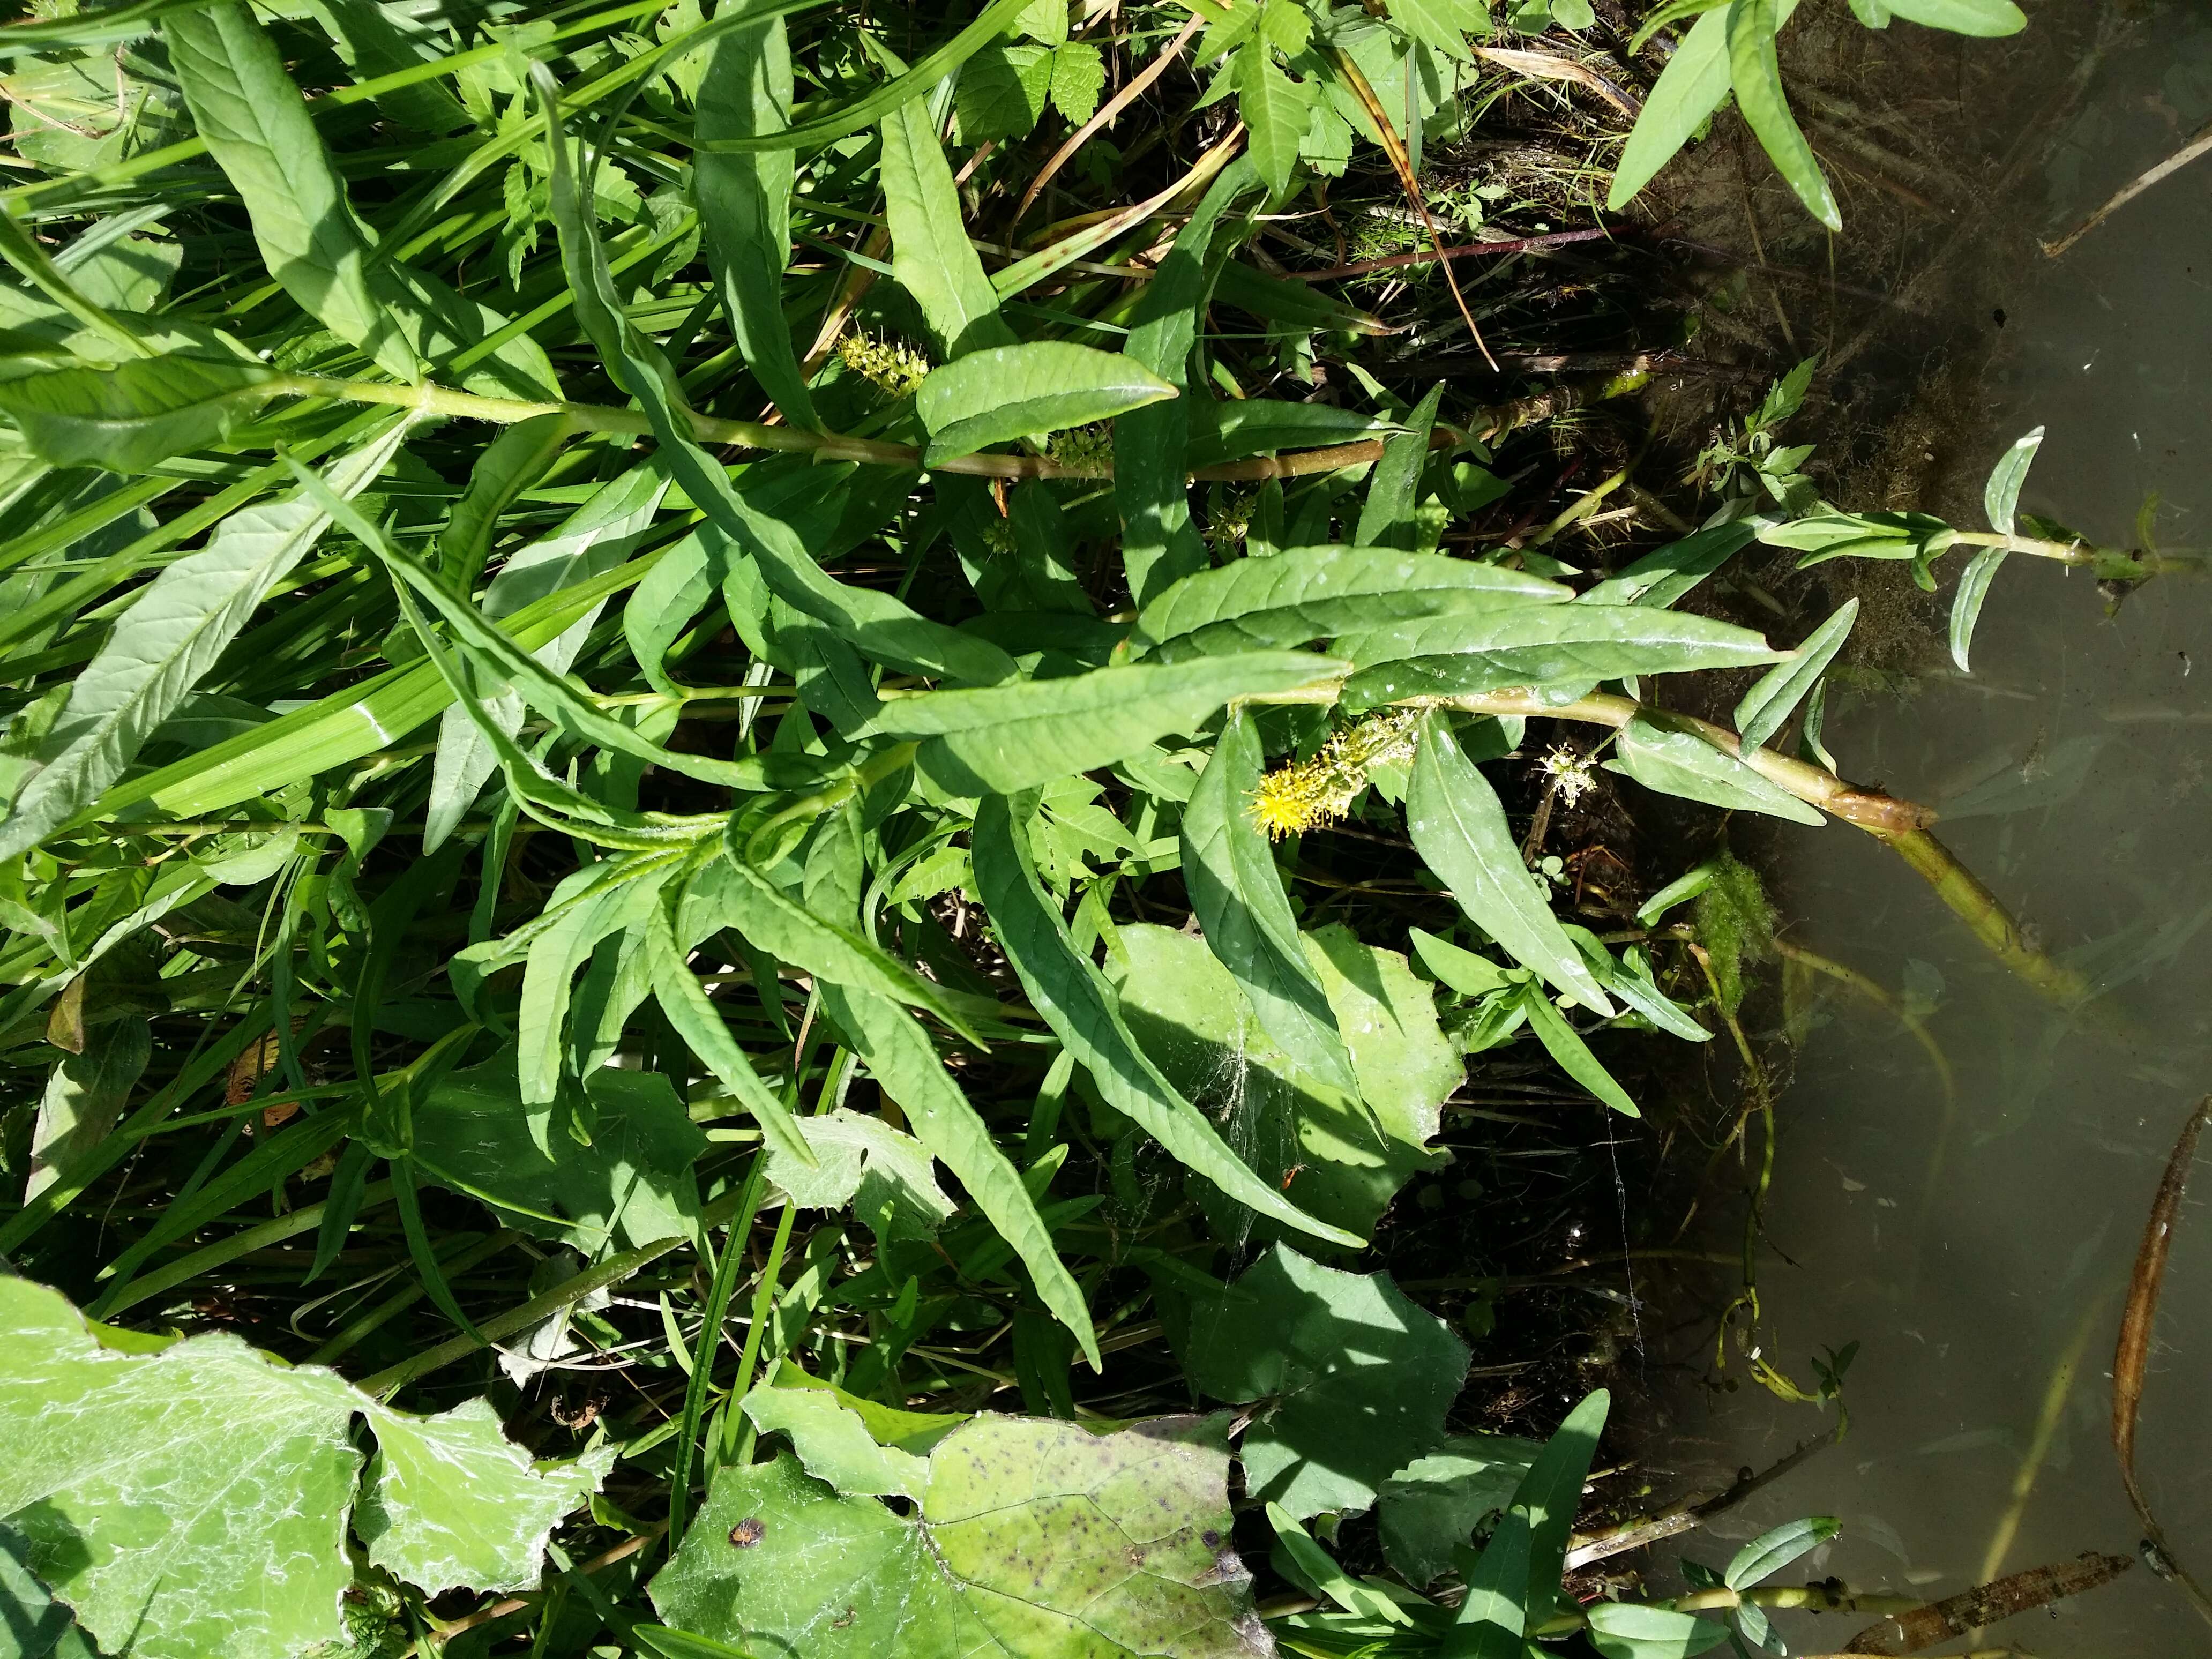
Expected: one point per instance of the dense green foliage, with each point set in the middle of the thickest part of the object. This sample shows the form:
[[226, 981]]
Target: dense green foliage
[[622, 683]]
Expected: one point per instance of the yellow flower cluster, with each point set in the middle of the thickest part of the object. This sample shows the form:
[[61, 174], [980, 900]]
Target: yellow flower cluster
[[1307, 793], [898, 368]]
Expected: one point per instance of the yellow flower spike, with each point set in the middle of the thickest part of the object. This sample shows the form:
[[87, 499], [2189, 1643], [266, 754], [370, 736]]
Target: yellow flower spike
[[894, 368], [1297, 796]]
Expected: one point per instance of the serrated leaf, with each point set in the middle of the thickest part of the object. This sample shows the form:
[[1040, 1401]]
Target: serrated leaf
[[1625, 1632], [887, 1177], [1004, 392], [1772, 1551], [1007, 739], [1032, 1537], [835, 1444], [1067, 989], [132, 416], [1760, 713], [1321, 592], [141, 1482], [2001, 495], [1360, 1378], [904, 1062], [1079, 75], [1443, 24], [1003, 91], [1229, 870], [1677, 763], [931, 257], [1755, 72], [1568, 645], [1340, 1157], [174, 631], [1458, 828], [1276, 109], [451, 1503]]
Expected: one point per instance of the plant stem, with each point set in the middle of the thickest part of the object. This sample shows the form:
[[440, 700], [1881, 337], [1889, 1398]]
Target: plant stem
[[446, 401], [1901, 823]]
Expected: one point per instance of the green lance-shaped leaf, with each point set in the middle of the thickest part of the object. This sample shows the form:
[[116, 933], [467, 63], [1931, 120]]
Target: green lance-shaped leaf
[[1150, 490], [1678, 763], [865, 111], [1572, 645], [1495, 1614], [1305, 593], [1621, 1632], [1460, 831], [134, 416], [1393, 489], [1066, 987], [1761, 714], [172, 634], [2001, 501], [1276, 111], [875, 623], [141, 1482], [774, 922], [1771, 1552], [700, 1024], [1002, 740], [931, 256], [994, 395], [1549, 1494], [1834, 535], [517, 459], [906, 1063], [1233, 429], [1665, 575], [260, 134], [595, 539], [1755, 71], [1229, 872], [1986, 18], [557, 950], [745, 203], [1031, 1537], [1565, 1044], [1689, 89]]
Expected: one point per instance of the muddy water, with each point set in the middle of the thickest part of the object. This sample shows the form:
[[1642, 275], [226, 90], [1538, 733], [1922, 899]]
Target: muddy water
[[1978, 1245]]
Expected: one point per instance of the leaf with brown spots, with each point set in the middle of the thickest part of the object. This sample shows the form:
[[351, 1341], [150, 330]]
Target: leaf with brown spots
[[1028, 1536]]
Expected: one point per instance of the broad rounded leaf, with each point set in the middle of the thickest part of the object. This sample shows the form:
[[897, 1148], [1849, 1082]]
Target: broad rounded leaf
[[1009, 391], [1032, 1537], [1432, 1506], [193, 1500], [1360, 1377]]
